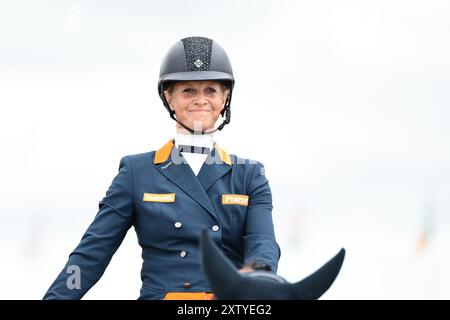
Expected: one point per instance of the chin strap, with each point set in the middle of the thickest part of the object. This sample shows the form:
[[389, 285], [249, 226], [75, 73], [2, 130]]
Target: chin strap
[[226, 121]]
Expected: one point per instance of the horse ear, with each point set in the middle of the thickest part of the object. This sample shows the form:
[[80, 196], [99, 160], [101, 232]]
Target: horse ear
[[315, 285], [222, 276]]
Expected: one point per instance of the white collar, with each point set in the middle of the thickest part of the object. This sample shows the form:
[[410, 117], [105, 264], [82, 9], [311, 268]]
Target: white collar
[[196, 140]]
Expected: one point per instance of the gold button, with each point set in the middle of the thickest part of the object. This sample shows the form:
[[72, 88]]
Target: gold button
[[186, 285]]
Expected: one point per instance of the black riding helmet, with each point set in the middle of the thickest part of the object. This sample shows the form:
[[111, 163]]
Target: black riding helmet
[[196, 58]]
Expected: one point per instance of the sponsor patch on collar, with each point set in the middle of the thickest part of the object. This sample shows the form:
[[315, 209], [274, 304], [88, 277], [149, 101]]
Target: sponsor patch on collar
[[239, 199], [159, 197]]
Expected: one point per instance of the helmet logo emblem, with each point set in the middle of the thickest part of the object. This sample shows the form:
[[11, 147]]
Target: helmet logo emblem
[[198, 63]]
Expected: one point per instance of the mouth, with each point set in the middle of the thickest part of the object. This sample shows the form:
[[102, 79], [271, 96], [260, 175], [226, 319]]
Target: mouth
[[199, 111]]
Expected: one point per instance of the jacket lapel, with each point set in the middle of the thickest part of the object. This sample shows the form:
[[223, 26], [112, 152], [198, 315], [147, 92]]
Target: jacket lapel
[[170, 163], [217, 164]]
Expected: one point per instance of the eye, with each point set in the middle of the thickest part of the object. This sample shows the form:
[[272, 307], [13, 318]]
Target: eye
[[188, 90], [211, 90]]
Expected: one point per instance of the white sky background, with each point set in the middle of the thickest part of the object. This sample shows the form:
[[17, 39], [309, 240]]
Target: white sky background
[[345, 102]]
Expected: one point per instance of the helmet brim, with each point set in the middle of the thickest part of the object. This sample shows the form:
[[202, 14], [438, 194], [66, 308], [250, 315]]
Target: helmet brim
[[197, 75]]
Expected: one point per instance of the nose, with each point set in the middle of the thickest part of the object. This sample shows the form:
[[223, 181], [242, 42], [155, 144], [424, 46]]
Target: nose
[[200, 100]]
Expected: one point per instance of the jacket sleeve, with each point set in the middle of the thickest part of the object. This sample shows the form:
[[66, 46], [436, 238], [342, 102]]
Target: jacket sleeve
[[90, 258], [259, 237]]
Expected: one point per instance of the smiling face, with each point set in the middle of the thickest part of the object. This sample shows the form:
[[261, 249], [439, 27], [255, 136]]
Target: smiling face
[[197, 104]]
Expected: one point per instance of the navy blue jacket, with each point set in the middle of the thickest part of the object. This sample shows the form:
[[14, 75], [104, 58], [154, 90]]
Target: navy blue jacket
[[169, 206]]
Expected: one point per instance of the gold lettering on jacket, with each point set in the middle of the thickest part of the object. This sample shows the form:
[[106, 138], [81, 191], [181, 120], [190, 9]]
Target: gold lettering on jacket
[[159, 197], [239, 199]]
